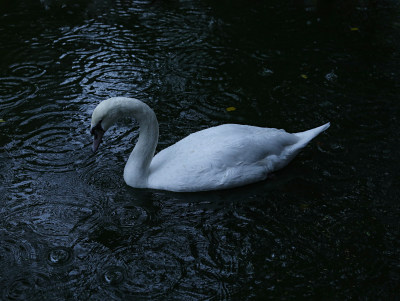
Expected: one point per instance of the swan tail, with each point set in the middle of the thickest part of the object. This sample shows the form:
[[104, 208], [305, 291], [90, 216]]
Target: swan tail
[[307, 136]]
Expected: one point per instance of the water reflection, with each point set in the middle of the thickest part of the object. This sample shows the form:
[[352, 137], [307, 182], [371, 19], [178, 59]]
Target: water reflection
[[324, 227]]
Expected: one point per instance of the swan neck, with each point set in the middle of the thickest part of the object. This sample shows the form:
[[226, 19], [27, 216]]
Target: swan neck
[[136, 170]]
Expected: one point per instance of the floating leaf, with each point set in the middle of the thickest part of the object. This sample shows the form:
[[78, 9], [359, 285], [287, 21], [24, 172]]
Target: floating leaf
[[304, 206], [230, 109], [2, 120], [354, 28], [304, 76]]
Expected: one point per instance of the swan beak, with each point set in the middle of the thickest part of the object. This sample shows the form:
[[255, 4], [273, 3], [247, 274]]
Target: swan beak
[[97, 133]]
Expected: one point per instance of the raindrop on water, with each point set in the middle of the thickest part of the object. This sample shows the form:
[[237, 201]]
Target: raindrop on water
[[59, 256], [331, 76], [113, 275]]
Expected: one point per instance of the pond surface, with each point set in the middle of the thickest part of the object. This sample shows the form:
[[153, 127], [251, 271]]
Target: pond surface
[[324, 227]]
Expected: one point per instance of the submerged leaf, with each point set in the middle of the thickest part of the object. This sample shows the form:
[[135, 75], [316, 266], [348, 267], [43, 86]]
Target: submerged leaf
[[230, 109], [304, 76]]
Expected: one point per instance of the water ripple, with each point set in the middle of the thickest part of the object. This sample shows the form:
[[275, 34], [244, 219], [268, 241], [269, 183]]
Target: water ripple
[[59, 256], [148, 274], [6, 174], [20, 256], [50, 145], [27, 70], [15, 91], [27, 286], [101, 175], [50, 219], [16, 250], [113, 275], [106, 70]]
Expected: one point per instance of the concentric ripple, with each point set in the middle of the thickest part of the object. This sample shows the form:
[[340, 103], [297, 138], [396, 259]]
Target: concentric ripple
[[15, 250], [50, 145], [105, 177], [59, 256], [53, 219], [27, 286], [148, 274], [14, 91], [104, 69], [27, 70], [19, 259], [113, 275]]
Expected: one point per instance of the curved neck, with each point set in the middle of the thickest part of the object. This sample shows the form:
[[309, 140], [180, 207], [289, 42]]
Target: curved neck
[[136, 170]]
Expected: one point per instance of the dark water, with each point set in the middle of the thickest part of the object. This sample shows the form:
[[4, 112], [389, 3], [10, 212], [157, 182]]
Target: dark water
[[325, 227]]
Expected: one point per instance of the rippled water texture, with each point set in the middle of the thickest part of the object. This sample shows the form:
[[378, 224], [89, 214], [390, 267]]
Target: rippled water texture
[[326, 227]]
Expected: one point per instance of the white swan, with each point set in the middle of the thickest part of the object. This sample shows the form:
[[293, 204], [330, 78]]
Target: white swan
[[220, 157]]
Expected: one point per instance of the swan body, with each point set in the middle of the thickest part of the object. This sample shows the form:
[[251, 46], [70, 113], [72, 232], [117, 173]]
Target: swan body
[[219, 157]]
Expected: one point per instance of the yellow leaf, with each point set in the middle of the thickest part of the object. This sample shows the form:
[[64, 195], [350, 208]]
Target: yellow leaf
[[230, 109], [354, 28], [304, 76], [2, 120]]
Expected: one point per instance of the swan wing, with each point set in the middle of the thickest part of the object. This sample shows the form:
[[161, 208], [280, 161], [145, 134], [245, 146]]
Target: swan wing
[[220, 157]]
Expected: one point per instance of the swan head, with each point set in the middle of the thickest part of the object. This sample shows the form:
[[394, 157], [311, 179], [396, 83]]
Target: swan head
[[103, 117], [109, 111]]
